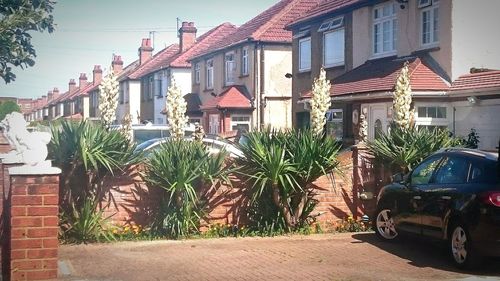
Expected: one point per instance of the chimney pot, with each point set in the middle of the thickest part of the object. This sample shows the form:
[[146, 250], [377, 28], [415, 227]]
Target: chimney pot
[[145, 51], [71, 85], [82, 81], [187, 36], [96, 75], [117, 64]]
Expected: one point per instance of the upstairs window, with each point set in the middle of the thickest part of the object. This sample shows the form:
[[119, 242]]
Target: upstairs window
[[429, 17], [197, 73], [333, 48], [244, 61], [385, 29], [150, 88], [230, 68], [305, 54], [210, 74]]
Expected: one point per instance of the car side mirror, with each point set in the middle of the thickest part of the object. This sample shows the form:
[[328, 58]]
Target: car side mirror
[[398, 178]]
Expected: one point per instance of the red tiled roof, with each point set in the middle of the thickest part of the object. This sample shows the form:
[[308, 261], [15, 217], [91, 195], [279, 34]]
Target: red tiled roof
[[193, 103], [327, 6], [268, 26], [123, 75], [170, 56], [481, 80], [233, 97], [380, 76], [156, 62], [77, 116]]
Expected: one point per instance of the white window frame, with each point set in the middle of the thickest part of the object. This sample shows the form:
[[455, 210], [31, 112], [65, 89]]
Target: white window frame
[[151, 87], [433, 34], [197, 73], [330, 119], [230, 68], [335, 62], [331, 24], [392, 20], [303, 68], [244, 61], [210, 74], [240, 122], [429, 121]]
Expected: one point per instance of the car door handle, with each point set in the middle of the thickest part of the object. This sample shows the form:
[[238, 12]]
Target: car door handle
[[417, 197], [446, 197]]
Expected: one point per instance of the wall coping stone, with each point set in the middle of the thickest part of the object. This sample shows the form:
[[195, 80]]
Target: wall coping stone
[[33, 170]]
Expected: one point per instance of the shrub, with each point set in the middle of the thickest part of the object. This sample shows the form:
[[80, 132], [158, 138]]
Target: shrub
[[281, 165], [402, 149], [183, 169], [86, 153]]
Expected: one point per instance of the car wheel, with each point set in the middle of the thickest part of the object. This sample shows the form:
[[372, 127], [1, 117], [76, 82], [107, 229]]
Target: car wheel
[[461, 249], [384, 225]]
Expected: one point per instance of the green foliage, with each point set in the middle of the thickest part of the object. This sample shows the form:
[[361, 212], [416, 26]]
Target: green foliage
[[183, 170], [85, 224], [8, 107], [17, 20], [281, 165], [86, 153], [404, 148], [472, 140]]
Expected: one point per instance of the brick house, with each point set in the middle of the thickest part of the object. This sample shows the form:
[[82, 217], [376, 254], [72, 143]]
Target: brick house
[[157, 74], [363, 45], [240, 80]]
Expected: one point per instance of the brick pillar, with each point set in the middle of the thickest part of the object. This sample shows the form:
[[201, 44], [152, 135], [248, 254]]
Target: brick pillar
[[33, 202]]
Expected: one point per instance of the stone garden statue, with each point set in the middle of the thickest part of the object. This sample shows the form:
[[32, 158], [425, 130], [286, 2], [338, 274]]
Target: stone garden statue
[[29, 148]]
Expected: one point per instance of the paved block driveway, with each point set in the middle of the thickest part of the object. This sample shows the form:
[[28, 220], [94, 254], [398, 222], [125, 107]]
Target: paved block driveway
[[314, 257]]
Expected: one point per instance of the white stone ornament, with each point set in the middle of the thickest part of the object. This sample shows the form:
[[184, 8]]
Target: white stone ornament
[[29, 148]]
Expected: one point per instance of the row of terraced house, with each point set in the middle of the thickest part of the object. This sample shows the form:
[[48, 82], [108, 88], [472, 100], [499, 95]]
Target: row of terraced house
[[261, 73]]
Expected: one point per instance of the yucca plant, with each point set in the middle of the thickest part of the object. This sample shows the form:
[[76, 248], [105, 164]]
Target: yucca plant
[[86, 153], [85, 224], [282, 165], [403, 148], [183, 170]]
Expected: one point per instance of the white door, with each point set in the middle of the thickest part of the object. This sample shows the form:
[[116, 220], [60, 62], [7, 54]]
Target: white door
[[213, 124], [377, 121]]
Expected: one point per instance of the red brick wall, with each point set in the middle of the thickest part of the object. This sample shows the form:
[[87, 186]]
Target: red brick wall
[[130, 201], [34, 227]]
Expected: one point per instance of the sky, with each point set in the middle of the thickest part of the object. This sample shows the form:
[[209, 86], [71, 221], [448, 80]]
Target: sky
[[89, 32]]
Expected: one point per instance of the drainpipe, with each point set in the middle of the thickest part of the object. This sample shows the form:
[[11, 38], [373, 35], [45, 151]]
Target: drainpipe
[[454, 112], [262, 88], [255, 81]]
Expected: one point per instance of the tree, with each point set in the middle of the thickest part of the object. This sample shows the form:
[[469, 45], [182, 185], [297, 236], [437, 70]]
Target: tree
[[176, 111], [403, 114], [320, 102], [108, 99], [17, 20], [8, 107]]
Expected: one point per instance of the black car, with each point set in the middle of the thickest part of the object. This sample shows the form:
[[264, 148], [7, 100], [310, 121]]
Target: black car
[[454, 196]]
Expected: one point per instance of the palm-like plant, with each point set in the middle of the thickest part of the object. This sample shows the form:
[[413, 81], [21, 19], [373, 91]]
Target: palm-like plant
[[86, 153], [183, 169], [283, 164], [403, 148]]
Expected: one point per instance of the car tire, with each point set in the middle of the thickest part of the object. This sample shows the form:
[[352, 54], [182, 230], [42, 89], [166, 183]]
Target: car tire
[[384, 226], [461, 248]]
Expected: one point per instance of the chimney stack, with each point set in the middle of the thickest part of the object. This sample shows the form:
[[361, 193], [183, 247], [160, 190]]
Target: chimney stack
[[187, 35], [44, 99], [82, 83], [71, 85], [55, 93], [145, 51], [50, 96], [117, 64], [96, 75]]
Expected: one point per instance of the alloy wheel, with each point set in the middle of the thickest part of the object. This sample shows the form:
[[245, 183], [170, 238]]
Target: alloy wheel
[[385, 225], [459, 245]]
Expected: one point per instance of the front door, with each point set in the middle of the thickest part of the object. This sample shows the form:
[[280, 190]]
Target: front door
[[377, 120], [214, 124]]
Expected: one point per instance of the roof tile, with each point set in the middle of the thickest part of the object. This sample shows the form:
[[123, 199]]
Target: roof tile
[[233, 97], [481, 80]]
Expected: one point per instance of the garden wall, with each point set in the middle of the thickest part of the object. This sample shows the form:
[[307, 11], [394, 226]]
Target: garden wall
[[130, 201]]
